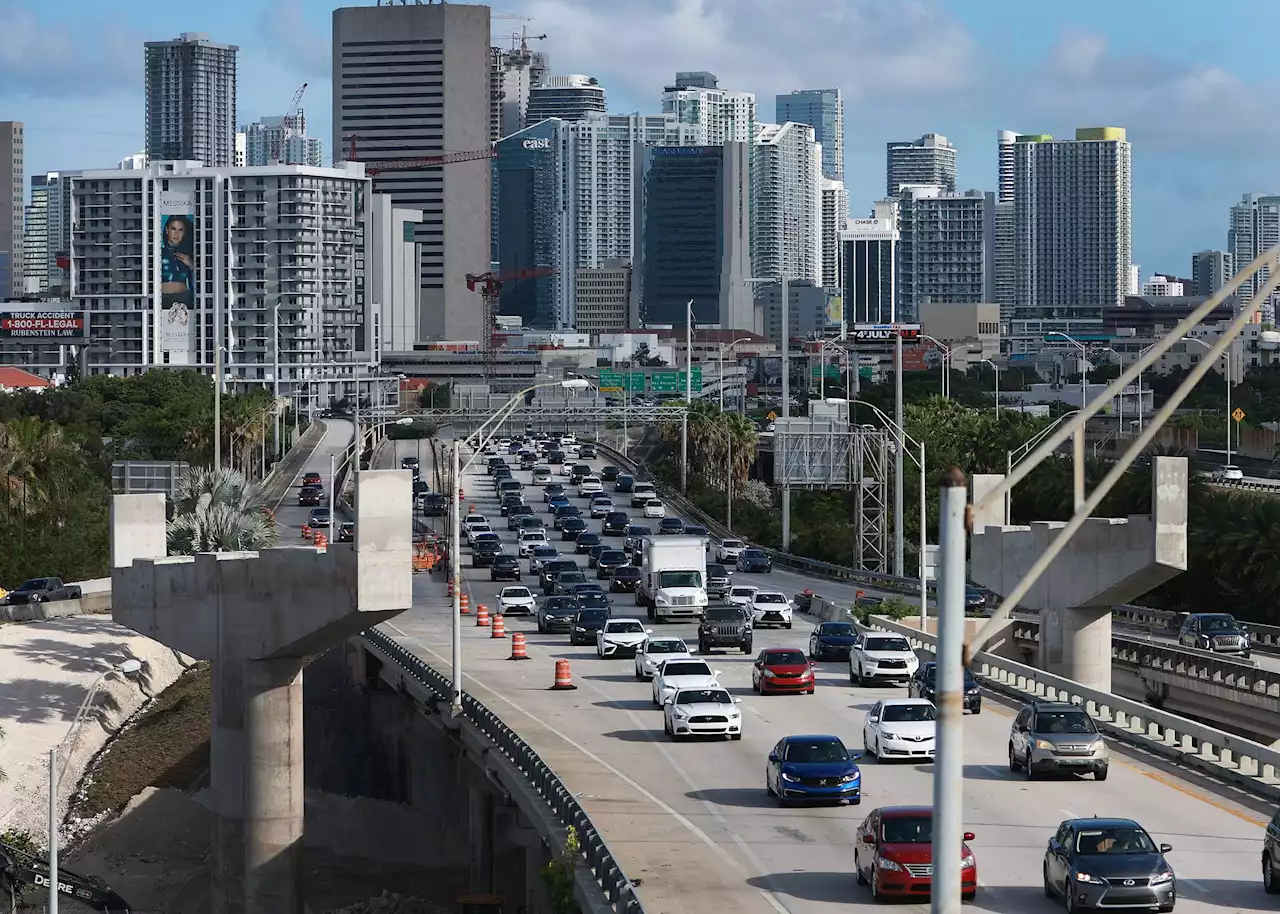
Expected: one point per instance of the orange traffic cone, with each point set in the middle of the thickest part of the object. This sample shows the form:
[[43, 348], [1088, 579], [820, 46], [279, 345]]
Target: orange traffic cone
[[451, 586], [464, 604], [306, 531], [564, 678], [499, 627], [518, 650], [482, 616]]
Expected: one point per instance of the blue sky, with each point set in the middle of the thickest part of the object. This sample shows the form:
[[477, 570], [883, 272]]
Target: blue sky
[[1195, 97]]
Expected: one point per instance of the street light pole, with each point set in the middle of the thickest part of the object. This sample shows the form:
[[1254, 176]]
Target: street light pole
[[53, 831], [899, 559], [688, 397]]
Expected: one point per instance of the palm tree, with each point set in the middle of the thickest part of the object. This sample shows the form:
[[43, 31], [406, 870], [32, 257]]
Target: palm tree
[[219, 512]]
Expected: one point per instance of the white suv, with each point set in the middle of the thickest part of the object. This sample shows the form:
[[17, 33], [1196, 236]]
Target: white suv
[[590, 485], [884, 658], [728, 551], [742, 595], [530, 538], [768, 607]]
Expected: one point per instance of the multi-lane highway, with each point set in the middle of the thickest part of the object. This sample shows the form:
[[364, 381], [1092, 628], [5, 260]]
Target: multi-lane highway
[[289, 515], [692, 824]]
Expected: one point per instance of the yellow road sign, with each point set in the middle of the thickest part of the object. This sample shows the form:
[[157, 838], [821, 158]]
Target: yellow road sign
[[1238, 414], [772, 416]]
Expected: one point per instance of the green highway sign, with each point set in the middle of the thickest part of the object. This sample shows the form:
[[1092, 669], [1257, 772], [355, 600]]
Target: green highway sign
[[614, 381], [672, 382], [610, 380], [636, 381]]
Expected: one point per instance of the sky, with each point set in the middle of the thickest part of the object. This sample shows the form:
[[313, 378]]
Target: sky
[[1195, 98]]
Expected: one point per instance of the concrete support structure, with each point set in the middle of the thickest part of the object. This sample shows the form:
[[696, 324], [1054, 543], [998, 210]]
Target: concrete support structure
[[256, 616], [1110, 561]]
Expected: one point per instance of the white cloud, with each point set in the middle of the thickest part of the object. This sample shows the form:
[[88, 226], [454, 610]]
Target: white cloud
[[291, 38], [56, 58]]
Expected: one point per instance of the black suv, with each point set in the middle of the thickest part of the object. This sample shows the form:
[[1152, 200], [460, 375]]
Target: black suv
[[552, 568], [670, 526], [609, 561], [504, 568], [578, 472], [609, 473], [724, 626], [719, 580], [924, 685], [624, 579], [1216, 632], [484, 552], [586, 624], [615, 523], [556, 614]]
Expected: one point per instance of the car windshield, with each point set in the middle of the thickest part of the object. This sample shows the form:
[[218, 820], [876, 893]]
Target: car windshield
[[898, 645], [930, 673], [781, 658], [1119, 840], [679, 579], [816, 750], [666, 647], [572, 577], [516, 592], [742, 591], [626, 628], [909, 713], [770, 598], [694, 668], [724, 614], [592, 616], [907, 830], [1064, 722], [611, 555], [717, 571], [754, 554], [589, 538], [836, 628], [627, 571], [1217, 623], [639, 530], [703, 696]]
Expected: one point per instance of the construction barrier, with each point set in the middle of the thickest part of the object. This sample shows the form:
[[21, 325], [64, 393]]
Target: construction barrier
[[482, 616], [564, 677], [519, 651], [464, 604], [306, 531], [450, 586], [499, 627]]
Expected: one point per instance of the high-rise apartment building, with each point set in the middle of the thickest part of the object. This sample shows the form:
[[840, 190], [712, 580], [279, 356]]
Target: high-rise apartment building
[[943, 248], [868, 261], [717, 115], [823, 110], [570, 98], [1210, 271], [415, 81], [191, 100], [786, 203], [1254, 227], [1072, 224], [602, 297], [512, 74], [47, 237], [12, 199], [928, 160], [835, 213], [1005, 272], [696, 241], [281, 140]]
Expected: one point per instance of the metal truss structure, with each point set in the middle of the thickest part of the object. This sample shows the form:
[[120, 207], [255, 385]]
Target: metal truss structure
[[825, 456]]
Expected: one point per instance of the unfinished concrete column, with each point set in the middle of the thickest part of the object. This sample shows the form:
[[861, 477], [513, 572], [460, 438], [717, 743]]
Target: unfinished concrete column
[[273, 785], [226, 785], [1076, 644], [480, 832]]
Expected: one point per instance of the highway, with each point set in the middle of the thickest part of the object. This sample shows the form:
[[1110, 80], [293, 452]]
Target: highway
[[691, 822], [289, 515]]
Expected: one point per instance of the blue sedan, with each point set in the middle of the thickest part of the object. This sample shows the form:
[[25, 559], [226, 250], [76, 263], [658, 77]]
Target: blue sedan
[[832, 641], [813, 769], [754, 561]]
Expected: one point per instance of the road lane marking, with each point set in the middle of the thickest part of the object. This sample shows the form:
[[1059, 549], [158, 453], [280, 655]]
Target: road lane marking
[[1195, 885], [1068, 813]]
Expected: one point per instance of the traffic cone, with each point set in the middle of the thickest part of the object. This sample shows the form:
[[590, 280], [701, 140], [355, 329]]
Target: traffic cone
[[518, 649], [316, 538], [306, 531], [564, 678], [499, 627], [450, 586], [482, 616], [464, 604]]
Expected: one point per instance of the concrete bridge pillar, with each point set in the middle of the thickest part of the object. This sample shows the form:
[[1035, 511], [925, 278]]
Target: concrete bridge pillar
[[1109, 561], [480, 834]]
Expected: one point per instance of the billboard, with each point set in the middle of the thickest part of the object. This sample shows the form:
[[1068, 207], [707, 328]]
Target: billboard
[[835, 310], [924, 357], [177, 266], [37, 326], [871, 333]]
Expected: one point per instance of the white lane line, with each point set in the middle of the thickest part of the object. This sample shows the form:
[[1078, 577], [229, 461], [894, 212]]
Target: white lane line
[[1068, 813], [1195, 885]]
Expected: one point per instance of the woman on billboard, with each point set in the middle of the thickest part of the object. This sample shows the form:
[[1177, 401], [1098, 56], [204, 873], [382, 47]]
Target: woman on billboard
[[177, 269]]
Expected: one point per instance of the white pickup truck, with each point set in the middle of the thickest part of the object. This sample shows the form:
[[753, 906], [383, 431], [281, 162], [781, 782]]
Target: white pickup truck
[[673, 577]]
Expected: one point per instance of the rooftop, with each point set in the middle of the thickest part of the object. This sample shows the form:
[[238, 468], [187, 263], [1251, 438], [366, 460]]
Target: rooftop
[[12, 378]]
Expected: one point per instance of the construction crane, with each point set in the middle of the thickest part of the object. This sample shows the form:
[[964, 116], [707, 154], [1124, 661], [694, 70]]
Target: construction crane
[[448, 158], [290, 124], [489, 285]]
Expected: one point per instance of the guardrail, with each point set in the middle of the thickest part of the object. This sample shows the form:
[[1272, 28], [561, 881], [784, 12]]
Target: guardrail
[[1232, 758], [566, 809], [1245, 485]]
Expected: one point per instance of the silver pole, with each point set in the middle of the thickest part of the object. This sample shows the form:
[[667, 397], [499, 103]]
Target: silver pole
[[688, 397], [217, 396], [728, 482], [1227, 357], [948, 769], [898, 496], [1008, 496], [780, 453], [924, 541], [53, 831], [455, 570], [333, 484]]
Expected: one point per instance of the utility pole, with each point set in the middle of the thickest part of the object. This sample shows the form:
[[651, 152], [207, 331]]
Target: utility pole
[[688, 398], [899, 560], [780, 452]]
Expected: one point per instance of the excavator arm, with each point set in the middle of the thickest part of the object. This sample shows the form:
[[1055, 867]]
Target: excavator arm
[[19, 870]]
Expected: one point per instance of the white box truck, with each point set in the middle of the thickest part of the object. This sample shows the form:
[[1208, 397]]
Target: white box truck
[[673, 577]]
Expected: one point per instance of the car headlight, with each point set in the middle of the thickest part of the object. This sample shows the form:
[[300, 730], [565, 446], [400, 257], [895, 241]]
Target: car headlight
[[1044, 744], [735, 713], [768, 674], [967, 861], [850, 778], [973, 691], [1161, 877], [1091, 880], [1098, 745], [660, 599], [886, 864], [790, 777], [681, 712], [887, 735]]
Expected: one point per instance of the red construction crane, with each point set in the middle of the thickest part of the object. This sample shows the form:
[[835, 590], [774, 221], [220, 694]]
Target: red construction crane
[[489, 285], [448, 158]]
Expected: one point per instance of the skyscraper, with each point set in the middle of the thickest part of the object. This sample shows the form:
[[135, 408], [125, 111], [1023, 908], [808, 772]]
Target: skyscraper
[[696, 239], [415, 81], [514, 72], [786, 203], [285, 136], [191, 100], [823, 110], [570, 98], [835, 214], [867, 262], [1072, 212], [1004, 280], [717, 115], [942, 249], [1210, 271], [12, 189], [1255, 226], [928, 160]]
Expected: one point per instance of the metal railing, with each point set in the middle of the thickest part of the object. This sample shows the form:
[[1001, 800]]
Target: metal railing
[[561, 801], [1245, 485]]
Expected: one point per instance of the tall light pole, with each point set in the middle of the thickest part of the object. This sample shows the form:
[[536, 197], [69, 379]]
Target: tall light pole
[[727, 346], [995, 369], [1226, 367], [947, 352], [688, 397], [1077, 443], [1015, 456], [780, 442]]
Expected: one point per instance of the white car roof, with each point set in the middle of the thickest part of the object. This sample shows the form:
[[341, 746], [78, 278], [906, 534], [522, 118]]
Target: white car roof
[[771, 593], [704, 663], [744, 587], [612, 622], [889, 702], [519, 591], [679, 641], [714, 688], [475, 519]]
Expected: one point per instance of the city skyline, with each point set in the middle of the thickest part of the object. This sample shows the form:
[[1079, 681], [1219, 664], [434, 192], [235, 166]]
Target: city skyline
[[929, 67]]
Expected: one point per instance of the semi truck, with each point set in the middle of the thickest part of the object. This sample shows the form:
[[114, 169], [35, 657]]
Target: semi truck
[[673, 577]]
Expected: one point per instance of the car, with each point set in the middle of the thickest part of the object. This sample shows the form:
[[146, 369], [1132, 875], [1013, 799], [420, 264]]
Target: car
[[702, 712], [729, 550], [620, 638], [517, 512], [1228, 473], [624, 483], [782, 669], [832, 640], [1108, 863], [540, 554], [551, 490], [609, 473], [586, 623], [484, 553], [578, 472], [510, 499], [923, 685], [681, 673], [435, 504], [530, 540], [557, 502], [654, 508], [421, 489], [769, 607], [593, 553], [475, 531], [654, 651], [319, 517], [670, 526], [492, 464], [541, 476], [809, 768], [609, 561], [516, 600], [975, 600], [1057, 737], [310, 495], [635, 534], [719, 579], [641, 493], [601, 507], [1271, 856], [901, 728], [624, 579], [741, 595], [471, 519], [724, 626], [311, 478], [1216, 632], [893, 853], [562, 512], [615, 523], [550, 569], [347, 532], [505, 567], [591, 600], [589, 485], [556, 614], [530, 522], [571, 526], [555, 456], [566, 581], [587, 451], [876, 657], [754, 561], [585, 541]]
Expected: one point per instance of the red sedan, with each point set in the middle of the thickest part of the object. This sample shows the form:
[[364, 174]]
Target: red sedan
[[893, 853], [782, 669]]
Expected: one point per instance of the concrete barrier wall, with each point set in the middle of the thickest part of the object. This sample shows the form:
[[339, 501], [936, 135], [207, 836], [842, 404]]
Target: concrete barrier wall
[[95, 597]]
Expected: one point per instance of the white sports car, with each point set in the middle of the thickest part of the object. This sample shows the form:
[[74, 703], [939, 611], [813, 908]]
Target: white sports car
[[702, 712], [678, 673], [655, 651], [620, 637]]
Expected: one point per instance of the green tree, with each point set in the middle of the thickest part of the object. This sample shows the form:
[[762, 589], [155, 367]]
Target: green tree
[[219, 512]]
